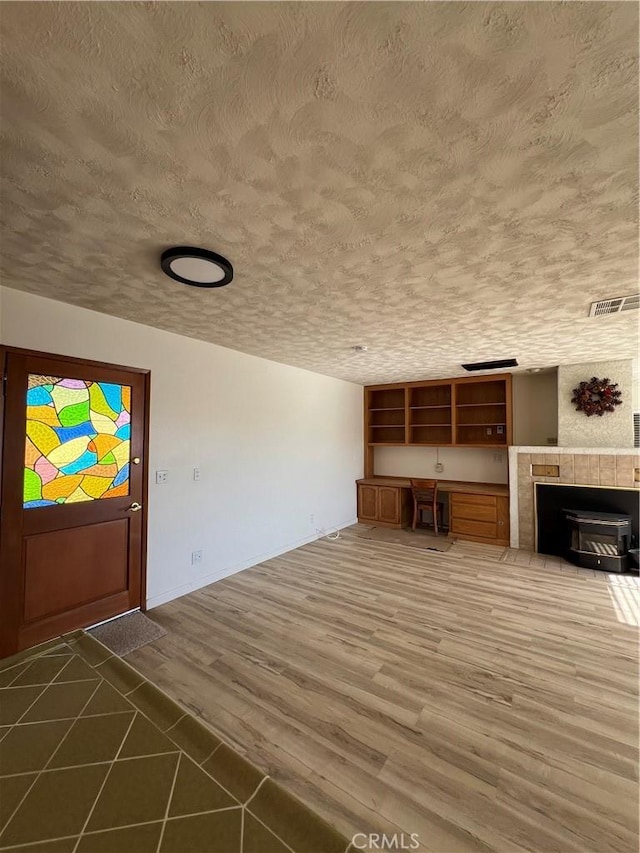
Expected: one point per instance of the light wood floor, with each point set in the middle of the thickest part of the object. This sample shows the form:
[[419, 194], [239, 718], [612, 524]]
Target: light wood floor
[[482, 704]]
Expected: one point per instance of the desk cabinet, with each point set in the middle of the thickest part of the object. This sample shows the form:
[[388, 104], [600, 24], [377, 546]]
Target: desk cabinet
[[477, 511], [386, 506], [479, 518]]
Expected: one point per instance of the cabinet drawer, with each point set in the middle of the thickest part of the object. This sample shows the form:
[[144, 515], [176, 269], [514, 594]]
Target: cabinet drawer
[[474, 528], [462, 499], [475, 512]]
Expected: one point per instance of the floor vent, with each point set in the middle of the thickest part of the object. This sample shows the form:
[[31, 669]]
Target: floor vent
[[614, 306]]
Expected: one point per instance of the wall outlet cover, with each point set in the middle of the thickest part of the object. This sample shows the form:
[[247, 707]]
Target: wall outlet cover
[[161, 477], [439, 467]]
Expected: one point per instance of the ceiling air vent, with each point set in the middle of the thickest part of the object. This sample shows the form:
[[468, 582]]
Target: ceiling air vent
[[614, 306], [491, 365]]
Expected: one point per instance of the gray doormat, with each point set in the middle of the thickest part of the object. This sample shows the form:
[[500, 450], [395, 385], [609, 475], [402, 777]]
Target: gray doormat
[[128, 633], [419, 539]]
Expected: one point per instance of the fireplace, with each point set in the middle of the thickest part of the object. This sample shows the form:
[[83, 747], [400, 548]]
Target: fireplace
[[566, 524], [598, 540], [616, 468]]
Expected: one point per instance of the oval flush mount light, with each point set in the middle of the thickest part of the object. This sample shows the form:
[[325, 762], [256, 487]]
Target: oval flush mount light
[[197, 267]]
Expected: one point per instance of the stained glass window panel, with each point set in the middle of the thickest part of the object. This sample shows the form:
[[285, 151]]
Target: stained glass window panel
[[78, 441]]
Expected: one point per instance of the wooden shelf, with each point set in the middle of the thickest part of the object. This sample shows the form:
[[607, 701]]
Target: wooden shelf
[[412, 413], [469, 405]]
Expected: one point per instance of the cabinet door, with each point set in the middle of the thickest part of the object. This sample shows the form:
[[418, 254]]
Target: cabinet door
[[367, 502], [389, 504]]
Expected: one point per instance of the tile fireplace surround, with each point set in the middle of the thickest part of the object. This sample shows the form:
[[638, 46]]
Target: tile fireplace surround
[[585, 466]]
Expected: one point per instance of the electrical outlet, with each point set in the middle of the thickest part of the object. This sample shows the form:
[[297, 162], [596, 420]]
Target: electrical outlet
[[488, 430], [500, 430], [161, 477], [439, 467], [196, 474], [196, 558]]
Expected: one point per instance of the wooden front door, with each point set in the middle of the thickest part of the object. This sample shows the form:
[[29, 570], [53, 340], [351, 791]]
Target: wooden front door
[[73, 499]]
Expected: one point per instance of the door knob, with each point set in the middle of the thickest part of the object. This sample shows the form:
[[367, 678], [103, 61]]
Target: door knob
[[136, 460], [135, 507]]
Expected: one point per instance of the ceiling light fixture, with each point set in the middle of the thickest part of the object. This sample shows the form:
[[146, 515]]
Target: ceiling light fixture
[[196, 267]]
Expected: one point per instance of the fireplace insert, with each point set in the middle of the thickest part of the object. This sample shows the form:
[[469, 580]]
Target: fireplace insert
[[598, 540], [553, 535]]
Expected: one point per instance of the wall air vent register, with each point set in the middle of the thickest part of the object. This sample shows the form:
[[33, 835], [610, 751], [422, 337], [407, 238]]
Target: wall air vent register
[[614, 306]]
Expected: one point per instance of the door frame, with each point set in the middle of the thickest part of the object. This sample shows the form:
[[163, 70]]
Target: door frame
[[71, 360]]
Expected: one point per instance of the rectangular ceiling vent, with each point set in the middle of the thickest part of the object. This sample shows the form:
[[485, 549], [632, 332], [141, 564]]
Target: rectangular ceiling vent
[[491, 365], [614, 306]]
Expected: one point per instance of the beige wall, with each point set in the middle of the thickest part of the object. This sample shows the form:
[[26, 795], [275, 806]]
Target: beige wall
[[614, 429], [535, 408], [460, 463]]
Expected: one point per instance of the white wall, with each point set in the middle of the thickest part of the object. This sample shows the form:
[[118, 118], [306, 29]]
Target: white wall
[[275, 444], [476, 464], [614, 429], [535, 408]]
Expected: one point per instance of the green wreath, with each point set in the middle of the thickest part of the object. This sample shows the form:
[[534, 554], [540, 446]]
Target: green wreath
[[596, 396]]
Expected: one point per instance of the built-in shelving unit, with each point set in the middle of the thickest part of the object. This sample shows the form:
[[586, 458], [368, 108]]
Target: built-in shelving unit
[[386, 411], [481, 413], [430, 414], [460, 412]]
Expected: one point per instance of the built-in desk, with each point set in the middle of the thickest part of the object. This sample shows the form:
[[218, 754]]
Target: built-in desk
[[477, 511]]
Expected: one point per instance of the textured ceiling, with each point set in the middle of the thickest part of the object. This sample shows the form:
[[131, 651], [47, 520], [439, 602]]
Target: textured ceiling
[[441, 182]]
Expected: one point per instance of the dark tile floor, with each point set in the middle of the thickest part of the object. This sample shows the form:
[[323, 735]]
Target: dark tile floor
[[95, 759]]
